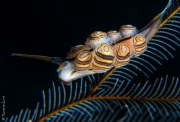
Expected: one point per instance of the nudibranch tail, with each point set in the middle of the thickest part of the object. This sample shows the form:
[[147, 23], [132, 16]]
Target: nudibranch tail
[[56, 60], [150, 29]]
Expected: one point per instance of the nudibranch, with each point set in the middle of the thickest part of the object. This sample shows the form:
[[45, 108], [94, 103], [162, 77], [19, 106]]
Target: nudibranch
[[102, 51]]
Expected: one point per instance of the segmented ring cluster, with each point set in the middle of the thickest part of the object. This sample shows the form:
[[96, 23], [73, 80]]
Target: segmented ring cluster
[[105, 55], [140, 44], [122, 55], [83, 60], [74, 50], [94, 38]]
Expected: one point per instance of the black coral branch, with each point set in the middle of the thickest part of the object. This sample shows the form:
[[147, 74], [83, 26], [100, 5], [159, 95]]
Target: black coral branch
[[118, 97]]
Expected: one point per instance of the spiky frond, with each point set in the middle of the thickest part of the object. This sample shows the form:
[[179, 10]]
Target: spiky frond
[[160, 98], [169, 116], [168, 10], [159, 89]]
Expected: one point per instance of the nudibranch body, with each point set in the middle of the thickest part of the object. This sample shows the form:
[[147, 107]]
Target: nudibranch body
[[102, 51]]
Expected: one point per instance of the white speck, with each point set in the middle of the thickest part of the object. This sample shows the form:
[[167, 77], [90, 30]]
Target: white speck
[[106, 48], [123, 49]]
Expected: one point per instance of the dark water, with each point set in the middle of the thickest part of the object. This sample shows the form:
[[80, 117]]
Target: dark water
[[50, 28]]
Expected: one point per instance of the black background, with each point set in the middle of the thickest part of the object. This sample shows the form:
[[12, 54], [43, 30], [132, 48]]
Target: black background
[[50, 28]]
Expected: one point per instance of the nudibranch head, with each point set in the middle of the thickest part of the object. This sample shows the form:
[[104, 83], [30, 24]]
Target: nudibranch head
[[127, 30], [67, 72], [64, 71]]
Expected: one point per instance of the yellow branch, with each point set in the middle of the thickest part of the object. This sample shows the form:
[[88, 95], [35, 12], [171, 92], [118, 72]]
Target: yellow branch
[[170, 16], [102, 80], [105, 98]]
